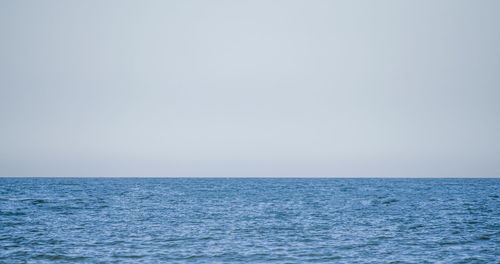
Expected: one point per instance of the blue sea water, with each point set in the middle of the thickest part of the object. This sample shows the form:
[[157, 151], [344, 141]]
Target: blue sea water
[[251, 220]]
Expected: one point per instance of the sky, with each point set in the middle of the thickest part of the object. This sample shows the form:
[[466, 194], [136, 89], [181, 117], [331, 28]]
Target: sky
[[260, 88]]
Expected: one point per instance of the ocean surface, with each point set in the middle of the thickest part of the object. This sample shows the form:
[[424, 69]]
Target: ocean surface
[[250, 220]]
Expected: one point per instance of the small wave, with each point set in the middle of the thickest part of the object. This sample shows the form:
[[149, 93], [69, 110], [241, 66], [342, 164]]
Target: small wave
[[9, 224], [451, 243], [59, 257], [128, 256], [323, 259], [39, 201], [389, 201], [413, 227], [12, 213], [483, 237]]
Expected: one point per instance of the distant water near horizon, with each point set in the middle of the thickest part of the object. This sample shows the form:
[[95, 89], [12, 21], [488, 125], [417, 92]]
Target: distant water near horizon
[[249, 220]]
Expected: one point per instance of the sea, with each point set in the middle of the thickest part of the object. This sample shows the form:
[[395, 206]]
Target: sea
[[249, 220]]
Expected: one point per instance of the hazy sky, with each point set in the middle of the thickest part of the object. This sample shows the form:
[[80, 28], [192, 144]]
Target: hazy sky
[[250, 88]]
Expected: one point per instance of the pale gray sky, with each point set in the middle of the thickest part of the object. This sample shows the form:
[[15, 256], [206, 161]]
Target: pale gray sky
[[250, 88]]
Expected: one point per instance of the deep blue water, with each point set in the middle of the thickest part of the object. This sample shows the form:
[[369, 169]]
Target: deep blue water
[[123, 220]]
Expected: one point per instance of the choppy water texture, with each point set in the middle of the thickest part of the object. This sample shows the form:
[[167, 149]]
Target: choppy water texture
[[70, 220]]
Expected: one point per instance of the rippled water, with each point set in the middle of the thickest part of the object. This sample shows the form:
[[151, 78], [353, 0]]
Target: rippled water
[[60, 220]]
